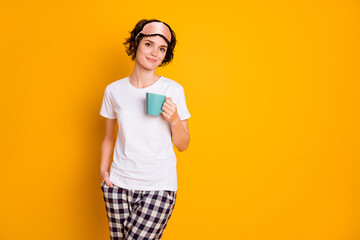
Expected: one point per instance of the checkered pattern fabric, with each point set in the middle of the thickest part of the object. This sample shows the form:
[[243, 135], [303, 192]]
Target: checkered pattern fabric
[[135, 214]]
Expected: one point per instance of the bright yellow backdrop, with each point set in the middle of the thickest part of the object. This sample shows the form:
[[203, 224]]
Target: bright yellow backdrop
[[273, 89]]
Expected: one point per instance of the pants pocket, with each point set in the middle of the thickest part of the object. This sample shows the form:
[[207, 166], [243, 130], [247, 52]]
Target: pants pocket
[[102, 185], [171, 195]]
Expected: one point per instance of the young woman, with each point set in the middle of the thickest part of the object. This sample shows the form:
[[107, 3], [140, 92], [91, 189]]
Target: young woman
[[140, 190]]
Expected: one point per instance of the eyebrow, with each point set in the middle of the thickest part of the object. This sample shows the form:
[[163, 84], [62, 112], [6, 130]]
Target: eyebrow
[[153, 42]]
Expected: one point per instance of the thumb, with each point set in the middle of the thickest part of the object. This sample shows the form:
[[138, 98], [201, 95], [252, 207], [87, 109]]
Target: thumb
[[107, 181]]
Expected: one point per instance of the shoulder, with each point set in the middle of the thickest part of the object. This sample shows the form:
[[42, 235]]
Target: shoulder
[[172, 85], [111, 87]]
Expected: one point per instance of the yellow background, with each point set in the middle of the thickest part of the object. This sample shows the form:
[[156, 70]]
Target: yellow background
[[273, 89]]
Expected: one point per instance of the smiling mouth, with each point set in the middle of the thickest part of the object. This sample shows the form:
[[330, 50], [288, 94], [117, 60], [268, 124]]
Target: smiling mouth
[[151, 60]]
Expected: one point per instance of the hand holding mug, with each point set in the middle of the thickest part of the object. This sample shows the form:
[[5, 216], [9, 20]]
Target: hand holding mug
[[169, 109]]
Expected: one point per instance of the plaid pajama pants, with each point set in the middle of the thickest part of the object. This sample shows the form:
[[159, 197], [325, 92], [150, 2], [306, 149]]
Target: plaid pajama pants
[[135, 214]]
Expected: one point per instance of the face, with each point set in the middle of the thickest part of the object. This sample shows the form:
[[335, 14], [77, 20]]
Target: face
[[151, 52]]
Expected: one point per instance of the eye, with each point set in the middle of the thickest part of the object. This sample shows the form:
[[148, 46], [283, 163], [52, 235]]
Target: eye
[[147, 44], [163, 49]]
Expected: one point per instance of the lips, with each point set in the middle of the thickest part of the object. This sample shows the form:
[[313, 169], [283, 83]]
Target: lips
[[151, 60]]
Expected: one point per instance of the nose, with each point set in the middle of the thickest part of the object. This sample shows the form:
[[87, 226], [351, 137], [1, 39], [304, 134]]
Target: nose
[[153, 52]]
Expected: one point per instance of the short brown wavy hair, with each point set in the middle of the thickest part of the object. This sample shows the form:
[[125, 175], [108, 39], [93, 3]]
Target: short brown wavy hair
[[132, 43]]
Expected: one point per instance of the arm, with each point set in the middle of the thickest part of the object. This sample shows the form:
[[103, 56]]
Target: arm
[[180, 134], [179, 128], [107, 150]]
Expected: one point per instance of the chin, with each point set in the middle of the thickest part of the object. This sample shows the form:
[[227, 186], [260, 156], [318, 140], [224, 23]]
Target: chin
[[151, 66]]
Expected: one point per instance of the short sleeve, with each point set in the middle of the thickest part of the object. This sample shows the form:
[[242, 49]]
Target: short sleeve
[[180, 102], [107, 109]]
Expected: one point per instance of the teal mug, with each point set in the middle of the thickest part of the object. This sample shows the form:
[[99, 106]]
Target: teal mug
[[154, 103]]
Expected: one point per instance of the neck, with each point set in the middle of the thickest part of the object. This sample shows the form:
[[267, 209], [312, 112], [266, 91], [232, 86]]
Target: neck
[[142, 77]]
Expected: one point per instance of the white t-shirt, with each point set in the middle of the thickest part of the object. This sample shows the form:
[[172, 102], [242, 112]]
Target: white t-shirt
[[144, 157]]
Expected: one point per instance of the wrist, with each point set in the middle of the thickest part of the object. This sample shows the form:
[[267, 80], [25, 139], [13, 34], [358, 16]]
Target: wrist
[[176, 121]]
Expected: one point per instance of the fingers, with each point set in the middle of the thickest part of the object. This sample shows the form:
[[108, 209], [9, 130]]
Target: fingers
[[169, 103], [108, 183], [166, 108], [170, 107], [165, 115]]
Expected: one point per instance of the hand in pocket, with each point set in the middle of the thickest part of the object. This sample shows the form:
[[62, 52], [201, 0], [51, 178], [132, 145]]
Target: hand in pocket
[[105, 178]]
